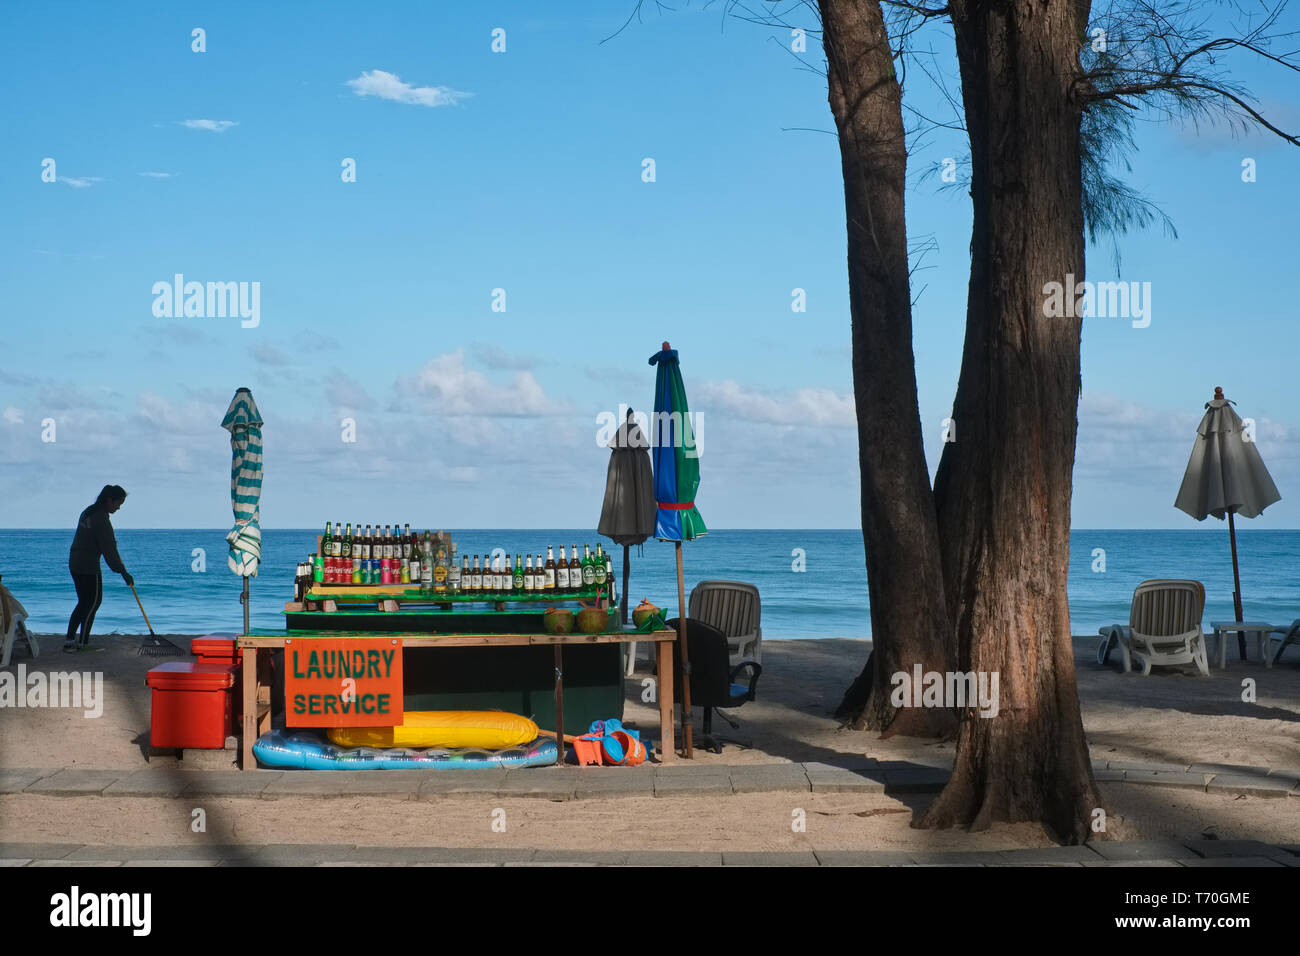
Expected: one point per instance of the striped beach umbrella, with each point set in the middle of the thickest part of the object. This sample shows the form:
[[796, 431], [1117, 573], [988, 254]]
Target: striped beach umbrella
[[244, 422], [677, 477], [1225, 477]]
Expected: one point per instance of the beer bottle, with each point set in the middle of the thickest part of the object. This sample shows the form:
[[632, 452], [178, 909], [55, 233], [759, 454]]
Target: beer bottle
[[406, 541], [496, 574], [466, 575], [528, 575], [598, 565], [609, 575], [417, 570], [507, 577], [453, 570], [562, 573], [518, 586], [327, 542], [346, 547], [588, 569], [426, 566], [440, 569], [550, 570], [476, 578]]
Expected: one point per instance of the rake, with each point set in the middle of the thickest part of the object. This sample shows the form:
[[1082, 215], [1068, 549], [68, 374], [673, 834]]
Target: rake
[[153, 645]]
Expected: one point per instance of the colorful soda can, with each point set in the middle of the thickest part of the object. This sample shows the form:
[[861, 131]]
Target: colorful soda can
[[317, 568]]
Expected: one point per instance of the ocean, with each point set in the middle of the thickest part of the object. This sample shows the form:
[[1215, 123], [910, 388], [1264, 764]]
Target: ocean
[[813, 583]]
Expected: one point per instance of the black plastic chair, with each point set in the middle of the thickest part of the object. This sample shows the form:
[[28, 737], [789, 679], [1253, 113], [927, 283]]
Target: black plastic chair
[[713, 679]]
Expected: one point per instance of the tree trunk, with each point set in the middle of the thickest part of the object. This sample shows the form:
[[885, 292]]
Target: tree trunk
[[909, 622], [1003, 488]]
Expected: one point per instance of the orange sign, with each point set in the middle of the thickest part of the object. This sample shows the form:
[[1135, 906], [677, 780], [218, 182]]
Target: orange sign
[[343, 682]]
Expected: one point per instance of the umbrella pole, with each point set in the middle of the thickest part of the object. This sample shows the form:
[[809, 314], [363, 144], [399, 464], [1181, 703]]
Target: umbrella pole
[[1236, 585], [623, 593], [243, 599], [683, 656]]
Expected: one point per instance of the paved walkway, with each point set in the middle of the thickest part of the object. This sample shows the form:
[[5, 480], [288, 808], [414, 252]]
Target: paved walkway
[[862, 775], [1211, 853]]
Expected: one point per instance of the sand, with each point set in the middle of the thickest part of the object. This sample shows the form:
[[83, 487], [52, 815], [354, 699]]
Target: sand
[[1173, 716]]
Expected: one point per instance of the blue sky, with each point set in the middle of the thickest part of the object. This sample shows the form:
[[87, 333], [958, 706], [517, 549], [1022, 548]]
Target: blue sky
[[522, 171]]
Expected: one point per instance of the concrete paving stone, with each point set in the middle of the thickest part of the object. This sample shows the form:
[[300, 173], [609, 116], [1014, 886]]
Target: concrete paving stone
[[1221, 848], [613, 782], [1147, 765], [862, 858], [1242, 770], [391, 784], [848, 762], [919, 763], [1027, 863], [1167, 778], [138, 863], [1051, 854], [1108, 776], [760, 858], [16, 861], [956, 857], [545, 783], [148, 783], [825, 778], [681, 769], [673, 858], [1133, 863], [447, 782], [670, 786], [228, 783], [1234, 861], [765, 778], [76, 863], [75, 783], [921, 780], [530, 863], [199, 851], [294, 854], [18, 779], [1285, 774], [1143, 850], [589, 857], [1252, 786], [37, 851], [433, 855]]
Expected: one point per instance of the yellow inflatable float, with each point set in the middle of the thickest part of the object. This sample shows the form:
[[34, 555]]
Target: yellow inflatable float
[[485, 729]]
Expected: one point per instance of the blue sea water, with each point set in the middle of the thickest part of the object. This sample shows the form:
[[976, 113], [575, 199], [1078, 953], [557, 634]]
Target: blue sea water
[[827, 598]]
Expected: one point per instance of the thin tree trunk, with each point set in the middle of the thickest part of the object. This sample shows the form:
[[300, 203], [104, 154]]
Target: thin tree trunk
[[1003, 489], [909, 622]]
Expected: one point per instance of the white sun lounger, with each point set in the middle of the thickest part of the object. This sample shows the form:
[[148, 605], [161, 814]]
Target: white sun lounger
[[1164, 627]]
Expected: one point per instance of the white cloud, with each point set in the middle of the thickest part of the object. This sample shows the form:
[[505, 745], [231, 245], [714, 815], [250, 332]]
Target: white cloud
[[13, 416], [158, 175], [212, 126], [269, 355], [80, 182], [447, 387], [819, 407], [387, 86]]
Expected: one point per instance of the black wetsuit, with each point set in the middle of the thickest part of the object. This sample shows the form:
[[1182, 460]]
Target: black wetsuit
[[94, 538]]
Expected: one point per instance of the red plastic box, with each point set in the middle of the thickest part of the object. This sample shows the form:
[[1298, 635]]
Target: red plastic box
[[191, 704], [216, 649]]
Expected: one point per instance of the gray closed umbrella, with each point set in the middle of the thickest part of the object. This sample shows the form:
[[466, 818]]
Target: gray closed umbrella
[[1225, 477], [628, 513]]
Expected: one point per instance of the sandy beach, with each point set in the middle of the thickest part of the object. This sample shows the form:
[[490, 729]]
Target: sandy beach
[[1173, 716]]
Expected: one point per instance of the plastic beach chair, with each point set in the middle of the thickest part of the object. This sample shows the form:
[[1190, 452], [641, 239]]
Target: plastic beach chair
[[1164, 627], [734, 608], [1290, 634], [12, 625]]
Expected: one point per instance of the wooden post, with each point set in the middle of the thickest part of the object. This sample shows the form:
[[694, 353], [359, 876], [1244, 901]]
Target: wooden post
[[247, 761], [559, 704], [664, 662], [683, 656]]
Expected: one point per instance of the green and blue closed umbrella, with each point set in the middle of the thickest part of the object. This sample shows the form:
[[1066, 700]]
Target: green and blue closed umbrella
[[244, 422], [677, 478], [675, 454]]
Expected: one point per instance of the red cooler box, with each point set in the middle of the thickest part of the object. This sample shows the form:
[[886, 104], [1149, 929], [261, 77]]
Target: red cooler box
[[216, 649], [191, 704]]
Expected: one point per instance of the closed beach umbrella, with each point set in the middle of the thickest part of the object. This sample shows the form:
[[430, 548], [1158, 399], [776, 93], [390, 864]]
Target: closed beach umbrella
[[628, 513], [244, 422], [677, 478], [1226, 477]]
